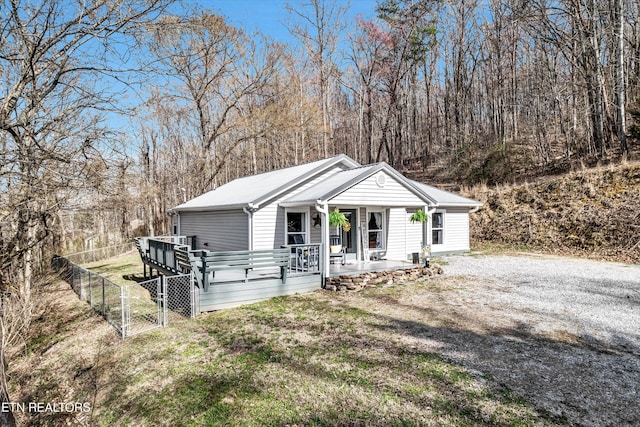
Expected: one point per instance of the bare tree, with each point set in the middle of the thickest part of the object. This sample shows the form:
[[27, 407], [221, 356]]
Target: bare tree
[[318, 27], [6, 417], [52, 56], [213, 68], [407, 34], [618, 14]]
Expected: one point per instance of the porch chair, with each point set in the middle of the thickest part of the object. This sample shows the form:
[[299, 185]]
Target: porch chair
[[334, 241]]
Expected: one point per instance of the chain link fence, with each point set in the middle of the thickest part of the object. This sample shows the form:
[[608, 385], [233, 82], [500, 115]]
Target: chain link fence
[[100, 253], [181, 297], [134, 308], [104, 296]]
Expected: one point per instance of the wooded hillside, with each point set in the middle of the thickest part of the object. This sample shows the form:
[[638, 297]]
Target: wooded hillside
[[593, 213], [109, 119]]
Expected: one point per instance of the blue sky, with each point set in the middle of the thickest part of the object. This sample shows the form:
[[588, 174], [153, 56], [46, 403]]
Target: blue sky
[[269, 16], [265, 16]]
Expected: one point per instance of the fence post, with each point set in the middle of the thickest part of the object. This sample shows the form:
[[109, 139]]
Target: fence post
[[80, 284], [90, 293], [165, 301], [102, 311], [159, 302], [122, 312], [192, 293]]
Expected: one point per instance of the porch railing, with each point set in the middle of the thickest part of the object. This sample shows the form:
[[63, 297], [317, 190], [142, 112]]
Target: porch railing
[[305, 258]]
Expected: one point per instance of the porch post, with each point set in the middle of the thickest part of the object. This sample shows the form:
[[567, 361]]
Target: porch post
[[323, 208], [427, 225], [249, 211]]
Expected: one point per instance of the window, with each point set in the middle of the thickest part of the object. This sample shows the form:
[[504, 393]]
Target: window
[[437, 228], [375, 230], [296, 228]]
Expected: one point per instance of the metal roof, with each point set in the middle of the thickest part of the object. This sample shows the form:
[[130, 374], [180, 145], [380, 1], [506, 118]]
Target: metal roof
[[446, 198], [253, 190]]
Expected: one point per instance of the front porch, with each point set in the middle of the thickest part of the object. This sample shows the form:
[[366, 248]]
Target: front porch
[[376, 238]]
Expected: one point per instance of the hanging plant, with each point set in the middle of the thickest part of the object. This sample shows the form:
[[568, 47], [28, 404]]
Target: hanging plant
[[419, 216], [338, 219]]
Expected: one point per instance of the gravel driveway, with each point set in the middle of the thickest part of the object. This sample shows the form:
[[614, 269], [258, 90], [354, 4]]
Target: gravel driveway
[[563, 333]]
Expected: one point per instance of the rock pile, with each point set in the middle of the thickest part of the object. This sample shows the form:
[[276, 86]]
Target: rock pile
[[373, 279]]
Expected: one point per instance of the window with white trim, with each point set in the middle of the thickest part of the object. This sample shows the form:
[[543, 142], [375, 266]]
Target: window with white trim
[[296, 228], [375, 228], [437, 228]]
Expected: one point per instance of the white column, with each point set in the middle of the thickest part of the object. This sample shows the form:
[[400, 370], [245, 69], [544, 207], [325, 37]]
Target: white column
[[323, 208]]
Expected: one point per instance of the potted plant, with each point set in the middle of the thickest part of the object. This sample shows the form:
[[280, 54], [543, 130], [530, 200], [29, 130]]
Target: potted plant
[[419, 216], [339, 220]]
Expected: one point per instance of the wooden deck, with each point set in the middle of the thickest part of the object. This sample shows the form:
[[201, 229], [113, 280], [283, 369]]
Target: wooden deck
[[229, 279]]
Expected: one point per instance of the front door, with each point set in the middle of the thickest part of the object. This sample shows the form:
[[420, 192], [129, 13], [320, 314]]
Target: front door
[[349, 238]]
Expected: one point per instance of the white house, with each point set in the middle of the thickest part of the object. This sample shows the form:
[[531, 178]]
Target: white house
[[290, 207]]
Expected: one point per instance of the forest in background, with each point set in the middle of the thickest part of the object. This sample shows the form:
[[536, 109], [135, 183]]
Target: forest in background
[[447, 92], [113, 111]]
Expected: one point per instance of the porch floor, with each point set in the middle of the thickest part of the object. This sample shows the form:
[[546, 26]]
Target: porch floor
[[355, 268]]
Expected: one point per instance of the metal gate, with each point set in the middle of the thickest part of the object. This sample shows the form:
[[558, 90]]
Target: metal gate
[[151, 304], [143, 307]]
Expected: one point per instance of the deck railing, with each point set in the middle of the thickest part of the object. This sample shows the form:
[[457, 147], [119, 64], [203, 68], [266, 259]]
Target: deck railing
[[171, 254], [305, 258], [160, 249]]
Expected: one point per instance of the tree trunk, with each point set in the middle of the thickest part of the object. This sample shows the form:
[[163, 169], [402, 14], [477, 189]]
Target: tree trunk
[[620, 85], [6, 417]]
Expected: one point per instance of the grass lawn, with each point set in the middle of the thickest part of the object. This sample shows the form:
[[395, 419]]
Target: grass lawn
[[321, 359], [121, 270]]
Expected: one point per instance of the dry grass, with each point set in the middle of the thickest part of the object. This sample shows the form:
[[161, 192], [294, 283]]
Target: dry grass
[[367, 358], [592, 213], [121, 270]]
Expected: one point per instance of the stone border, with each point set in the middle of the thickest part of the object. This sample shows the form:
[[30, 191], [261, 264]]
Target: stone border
[[372, 279]]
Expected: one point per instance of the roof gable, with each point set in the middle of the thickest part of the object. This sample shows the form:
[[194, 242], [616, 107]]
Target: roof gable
[[346, 180]]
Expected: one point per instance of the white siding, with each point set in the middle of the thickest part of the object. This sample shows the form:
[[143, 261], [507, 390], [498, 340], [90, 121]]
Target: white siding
[[222, 230], [396, 231], [268, 227], [414, 235], [268, 222], [315, 234], [456, 231], [404, 238], [368, 193]]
